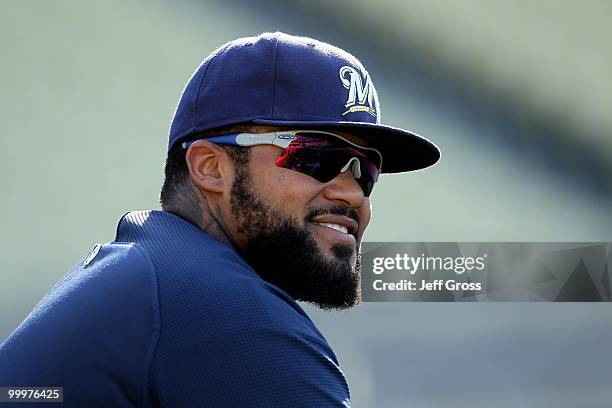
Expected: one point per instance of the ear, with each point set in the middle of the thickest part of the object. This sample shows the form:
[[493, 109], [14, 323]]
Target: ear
[[207, 166]]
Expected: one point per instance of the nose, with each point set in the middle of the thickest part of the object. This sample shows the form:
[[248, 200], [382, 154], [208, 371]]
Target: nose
[[345, 188]]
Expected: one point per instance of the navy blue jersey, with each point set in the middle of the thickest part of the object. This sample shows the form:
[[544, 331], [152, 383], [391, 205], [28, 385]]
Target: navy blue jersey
[[166, 315]]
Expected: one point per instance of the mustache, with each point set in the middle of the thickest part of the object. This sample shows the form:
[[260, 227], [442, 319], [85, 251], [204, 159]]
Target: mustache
[[347, 212]]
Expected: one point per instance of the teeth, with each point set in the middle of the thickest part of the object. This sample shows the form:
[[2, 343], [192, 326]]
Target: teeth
[[336, 227]]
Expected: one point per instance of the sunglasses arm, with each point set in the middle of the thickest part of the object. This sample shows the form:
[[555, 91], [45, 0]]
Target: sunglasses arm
[[280, 139]]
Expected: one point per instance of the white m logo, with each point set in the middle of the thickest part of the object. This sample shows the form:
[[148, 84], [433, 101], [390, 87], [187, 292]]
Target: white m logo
[[358, 92]]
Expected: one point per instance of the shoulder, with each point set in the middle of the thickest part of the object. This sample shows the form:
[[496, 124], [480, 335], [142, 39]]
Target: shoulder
[[108, 283], [100, 286], [96, 326]]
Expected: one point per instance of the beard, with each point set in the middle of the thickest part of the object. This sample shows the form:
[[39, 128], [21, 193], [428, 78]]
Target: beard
[[286, 254]]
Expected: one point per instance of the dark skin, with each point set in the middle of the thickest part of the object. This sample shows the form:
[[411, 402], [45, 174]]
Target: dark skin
[[204, 199], [191, 202]]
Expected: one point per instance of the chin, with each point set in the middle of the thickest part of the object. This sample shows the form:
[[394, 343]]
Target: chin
[[342, 252]]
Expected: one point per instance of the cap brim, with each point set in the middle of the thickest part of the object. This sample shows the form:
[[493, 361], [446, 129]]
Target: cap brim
[[401, 150]]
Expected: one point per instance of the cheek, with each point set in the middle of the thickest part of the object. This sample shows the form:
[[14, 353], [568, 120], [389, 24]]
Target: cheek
[[294, 190], [365, 214], [368, 208], [290, 190]]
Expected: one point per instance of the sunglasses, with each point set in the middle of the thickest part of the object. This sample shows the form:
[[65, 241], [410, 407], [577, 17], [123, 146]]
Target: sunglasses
[[318, 154]]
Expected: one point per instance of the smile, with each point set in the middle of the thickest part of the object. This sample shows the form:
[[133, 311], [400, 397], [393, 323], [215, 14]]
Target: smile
[[337, 227]]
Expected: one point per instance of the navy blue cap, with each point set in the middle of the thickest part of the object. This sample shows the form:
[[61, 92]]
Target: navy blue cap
[[283, 80]]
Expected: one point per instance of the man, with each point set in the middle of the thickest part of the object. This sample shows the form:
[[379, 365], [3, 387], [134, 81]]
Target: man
[[274, 149]]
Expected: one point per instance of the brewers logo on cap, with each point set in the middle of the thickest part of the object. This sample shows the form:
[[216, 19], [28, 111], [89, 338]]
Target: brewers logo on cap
[[360, 91]]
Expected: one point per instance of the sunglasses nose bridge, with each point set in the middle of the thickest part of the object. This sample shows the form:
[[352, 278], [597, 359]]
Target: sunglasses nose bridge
[[355, 165]]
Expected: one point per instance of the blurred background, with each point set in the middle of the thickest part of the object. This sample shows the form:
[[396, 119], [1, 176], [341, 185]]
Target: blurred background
[[517, 95]]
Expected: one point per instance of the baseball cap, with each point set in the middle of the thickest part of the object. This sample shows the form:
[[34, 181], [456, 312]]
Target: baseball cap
[[284, 80]]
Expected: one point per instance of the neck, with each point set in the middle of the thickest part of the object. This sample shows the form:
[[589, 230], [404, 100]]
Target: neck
[[193, 205]]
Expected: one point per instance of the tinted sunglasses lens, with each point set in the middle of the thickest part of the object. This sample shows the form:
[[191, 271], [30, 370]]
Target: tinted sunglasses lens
[[324, 158], [369, 176]]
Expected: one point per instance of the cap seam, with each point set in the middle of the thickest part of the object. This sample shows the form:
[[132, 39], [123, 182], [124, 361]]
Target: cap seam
[[274, 82]]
